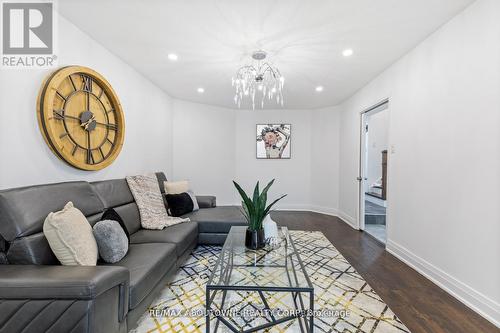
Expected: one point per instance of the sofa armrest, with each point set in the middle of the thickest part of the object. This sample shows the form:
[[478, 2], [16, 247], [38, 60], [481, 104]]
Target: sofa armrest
[[91, 285], [206, 201], [59, 282]]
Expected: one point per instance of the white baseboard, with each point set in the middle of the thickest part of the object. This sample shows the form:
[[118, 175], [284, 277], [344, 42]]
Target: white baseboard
[[323, 210], [351, 221], [294, 207], [475, 300]]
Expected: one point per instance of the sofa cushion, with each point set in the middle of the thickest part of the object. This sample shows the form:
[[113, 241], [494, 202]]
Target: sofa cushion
[[147, 263], [130, 216], [182, 235], [113, 192], [3, 248], [206, 201], [161, 179], [23, 210], [31, 250], [211, 238], [218, 219]]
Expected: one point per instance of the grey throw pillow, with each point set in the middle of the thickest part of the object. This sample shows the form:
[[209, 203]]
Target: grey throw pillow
[[111, 241]]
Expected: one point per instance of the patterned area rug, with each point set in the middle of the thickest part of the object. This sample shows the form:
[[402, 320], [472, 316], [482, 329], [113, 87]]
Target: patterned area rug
[[351, 304]]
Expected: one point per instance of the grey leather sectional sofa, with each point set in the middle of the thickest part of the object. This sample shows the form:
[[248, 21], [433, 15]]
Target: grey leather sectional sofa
[[38, 294]]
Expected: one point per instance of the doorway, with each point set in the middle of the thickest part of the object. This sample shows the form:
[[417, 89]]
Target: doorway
[[373, 171]]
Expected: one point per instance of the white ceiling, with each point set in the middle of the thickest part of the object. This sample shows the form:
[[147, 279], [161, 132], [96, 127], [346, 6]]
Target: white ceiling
[[304, 39]]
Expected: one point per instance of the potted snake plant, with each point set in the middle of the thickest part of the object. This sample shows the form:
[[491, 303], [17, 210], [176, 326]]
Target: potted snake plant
[[255, 210]]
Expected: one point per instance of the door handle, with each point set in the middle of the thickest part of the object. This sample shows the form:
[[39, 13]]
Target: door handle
[[361, 178]]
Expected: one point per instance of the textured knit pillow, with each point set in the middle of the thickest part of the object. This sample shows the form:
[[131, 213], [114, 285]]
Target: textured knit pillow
[[183, 203], [111, 241], [111, 214], [176, 187], [70, 237], [148, 198]]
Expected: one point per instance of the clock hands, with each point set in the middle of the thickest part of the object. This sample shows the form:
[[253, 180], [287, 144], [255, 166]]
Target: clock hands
[[87, 120], [92, 121], [59, 114], [90, 158], [87, 124]]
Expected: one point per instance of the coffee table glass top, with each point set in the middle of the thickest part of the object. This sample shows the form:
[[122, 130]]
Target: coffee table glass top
[[276, 269]]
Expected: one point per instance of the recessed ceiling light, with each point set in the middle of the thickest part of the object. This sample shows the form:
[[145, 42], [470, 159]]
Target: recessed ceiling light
[[172, 57], [200, 90], [319, 88], [347, 52]]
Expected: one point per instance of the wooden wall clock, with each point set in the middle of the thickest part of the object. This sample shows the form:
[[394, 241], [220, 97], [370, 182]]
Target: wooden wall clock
[[81, 118]]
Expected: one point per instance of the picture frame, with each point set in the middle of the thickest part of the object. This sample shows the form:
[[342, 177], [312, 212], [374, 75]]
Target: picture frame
[[273, 141]]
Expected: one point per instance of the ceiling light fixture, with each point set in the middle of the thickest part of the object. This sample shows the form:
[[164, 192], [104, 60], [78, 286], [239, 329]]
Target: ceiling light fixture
[[172, 57], [258, 78], [347, 52], [200, 90], [319, 88]]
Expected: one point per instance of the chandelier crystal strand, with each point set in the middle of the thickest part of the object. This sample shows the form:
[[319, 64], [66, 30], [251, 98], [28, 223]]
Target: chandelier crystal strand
[[260, 81]]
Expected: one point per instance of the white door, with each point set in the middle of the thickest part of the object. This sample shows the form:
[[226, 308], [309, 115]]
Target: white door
[[363, 157]]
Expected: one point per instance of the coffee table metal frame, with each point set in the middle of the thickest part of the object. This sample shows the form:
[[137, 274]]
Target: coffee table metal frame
[[224, 268]]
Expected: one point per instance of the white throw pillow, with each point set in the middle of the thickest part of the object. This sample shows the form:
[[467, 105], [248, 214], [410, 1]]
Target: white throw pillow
[[176, 187], [70, 237]]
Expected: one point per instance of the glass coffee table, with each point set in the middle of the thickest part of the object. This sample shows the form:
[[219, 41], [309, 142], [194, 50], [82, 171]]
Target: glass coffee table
[[250, 291]]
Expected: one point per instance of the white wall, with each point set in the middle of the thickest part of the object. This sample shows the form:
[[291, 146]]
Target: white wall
[[27, 160], [443, 205], [204, 149], [292, 175], [214, 146], [325, 149]]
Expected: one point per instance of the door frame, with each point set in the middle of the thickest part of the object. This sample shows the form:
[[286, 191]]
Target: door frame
[[383, 105]]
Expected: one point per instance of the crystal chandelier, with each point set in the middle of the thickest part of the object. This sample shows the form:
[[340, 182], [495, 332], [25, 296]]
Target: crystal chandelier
[[261, 80]]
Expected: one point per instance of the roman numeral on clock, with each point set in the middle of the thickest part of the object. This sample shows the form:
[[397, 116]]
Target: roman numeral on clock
[[90, 157], [112, 127], [87, 83], [61, 96], [72, 82], [58, 114]]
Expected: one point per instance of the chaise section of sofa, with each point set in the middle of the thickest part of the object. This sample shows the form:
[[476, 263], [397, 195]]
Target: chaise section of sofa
[[214, 223]]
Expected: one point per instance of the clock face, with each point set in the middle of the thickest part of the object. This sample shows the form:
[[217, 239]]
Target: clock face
[[81, 118]]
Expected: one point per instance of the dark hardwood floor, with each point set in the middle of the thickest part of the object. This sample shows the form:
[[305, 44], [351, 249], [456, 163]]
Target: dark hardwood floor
[[421, 305]]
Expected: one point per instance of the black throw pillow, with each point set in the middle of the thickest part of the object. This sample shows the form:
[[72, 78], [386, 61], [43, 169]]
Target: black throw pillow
[[111, 214], [179, 204]]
